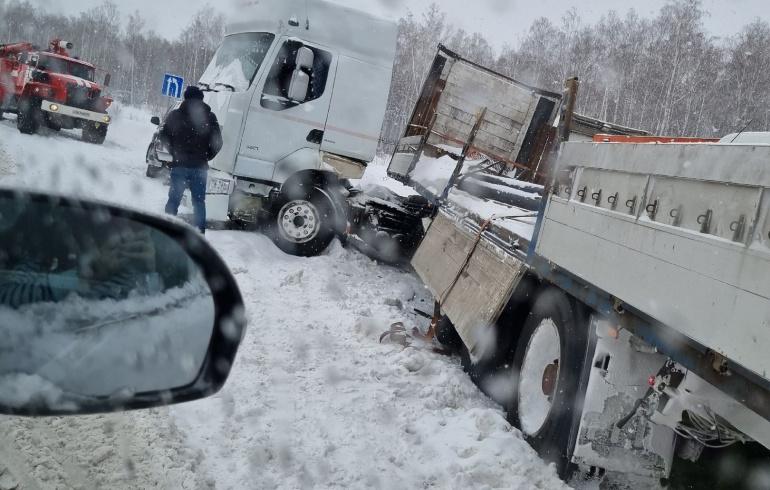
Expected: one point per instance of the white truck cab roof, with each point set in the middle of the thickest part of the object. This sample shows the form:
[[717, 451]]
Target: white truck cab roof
[[351, 32]]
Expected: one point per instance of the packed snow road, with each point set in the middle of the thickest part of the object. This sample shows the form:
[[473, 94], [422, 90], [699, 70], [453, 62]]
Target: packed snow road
[[314, 400]]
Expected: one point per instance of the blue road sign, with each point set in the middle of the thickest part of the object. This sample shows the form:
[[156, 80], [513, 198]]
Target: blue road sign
[[173, 86]]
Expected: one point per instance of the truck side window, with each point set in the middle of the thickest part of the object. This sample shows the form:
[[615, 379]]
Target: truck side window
[[275, 95]]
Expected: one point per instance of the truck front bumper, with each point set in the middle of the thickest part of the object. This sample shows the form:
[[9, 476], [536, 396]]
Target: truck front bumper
[[74, 112]]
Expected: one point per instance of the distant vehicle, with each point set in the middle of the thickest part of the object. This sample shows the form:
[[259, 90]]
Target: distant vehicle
[[158, 156], [105, 309], [51, 88]]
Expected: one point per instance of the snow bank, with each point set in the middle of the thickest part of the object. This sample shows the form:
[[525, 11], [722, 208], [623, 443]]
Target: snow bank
[[316, 400]]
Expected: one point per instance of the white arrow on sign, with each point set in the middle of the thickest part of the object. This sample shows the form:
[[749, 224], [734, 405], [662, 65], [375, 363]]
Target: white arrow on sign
[[175, 91]]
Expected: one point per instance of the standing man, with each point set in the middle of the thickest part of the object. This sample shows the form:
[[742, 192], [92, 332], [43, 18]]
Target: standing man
[[194, 138]]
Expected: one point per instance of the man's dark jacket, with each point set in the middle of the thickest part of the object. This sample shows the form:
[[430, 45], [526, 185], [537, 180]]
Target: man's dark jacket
[[192, 134]]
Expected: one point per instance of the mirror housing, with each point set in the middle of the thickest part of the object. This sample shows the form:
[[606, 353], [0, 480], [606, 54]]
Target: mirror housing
[[300, 83], [80, 341], [107, 79], [155, 120]]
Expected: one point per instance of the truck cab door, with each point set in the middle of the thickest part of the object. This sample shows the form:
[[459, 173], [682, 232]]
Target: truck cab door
[[229, 82], [287, 118]]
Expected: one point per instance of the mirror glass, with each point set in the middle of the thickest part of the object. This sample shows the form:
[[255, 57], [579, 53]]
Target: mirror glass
[[94, 305], [300, 82]]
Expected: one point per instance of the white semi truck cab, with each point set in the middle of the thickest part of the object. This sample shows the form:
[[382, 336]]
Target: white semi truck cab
[[300, 90]]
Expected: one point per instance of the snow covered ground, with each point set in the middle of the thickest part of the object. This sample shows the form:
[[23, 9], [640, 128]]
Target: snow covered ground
[[314, 400]]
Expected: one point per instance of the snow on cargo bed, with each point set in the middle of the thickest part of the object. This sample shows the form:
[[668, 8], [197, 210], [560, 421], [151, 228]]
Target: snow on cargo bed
[[514, 225]]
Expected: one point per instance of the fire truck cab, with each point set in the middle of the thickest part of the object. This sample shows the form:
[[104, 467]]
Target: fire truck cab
[[54, 89]]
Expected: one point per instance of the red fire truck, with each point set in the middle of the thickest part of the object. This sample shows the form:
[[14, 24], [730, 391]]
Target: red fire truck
[[52, 88]]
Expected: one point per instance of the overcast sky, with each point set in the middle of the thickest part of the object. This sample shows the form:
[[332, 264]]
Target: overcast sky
[[502, 21]]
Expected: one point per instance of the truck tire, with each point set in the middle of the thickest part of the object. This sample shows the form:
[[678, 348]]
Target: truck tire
[[29, 116], [94, 133], [303, 226], [548, 358]]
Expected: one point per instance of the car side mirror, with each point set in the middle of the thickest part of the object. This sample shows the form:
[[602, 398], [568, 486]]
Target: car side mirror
[[155, 120], [104, 309], [107, 79]]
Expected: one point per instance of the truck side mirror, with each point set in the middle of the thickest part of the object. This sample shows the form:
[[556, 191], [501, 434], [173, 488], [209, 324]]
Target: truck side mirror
[[155, 120], [107, 79], [300, 80], [300, 83]]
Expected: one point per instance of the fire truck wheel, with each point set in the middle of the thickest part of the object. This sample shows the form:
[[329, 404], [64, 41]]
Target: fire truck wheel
[[30, 116], [94, 134], [548, 359]]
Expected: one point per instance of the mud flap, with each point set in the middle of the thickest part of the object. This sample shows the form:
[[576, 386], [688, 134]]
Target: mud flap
[[637, 453]]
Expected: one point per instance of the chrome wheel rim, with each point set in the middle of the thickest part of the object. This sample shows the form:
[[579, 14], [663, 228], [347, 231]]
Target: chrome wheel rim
[[299, 221]]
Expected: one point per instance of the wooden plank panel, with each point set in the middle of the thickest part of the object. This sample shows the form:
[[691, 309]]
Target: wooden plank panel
[[461, 131], [486, 97], [509, 131], [470, 80], [483, 288], [495, 115]]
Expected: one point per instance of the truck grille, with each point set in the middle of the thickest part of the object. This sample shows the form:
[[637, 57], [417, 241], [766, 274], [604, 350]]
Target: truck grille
[[82, 97]]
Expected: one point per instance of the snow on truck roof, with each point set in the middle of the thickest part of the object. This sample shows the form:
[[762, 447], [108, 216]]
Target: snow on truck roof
[[351, 32]]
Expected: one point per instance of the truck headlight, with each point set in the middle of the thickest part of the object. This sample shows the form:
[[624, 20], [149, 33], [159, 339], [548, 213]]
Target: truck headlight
[[53, 108], [106, 118]]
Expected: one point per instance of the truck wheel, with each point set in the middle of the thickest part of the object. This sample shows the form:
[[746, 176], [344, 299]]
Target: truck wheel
[[29, 116], [94, 133], [548, 359], [303, 227]]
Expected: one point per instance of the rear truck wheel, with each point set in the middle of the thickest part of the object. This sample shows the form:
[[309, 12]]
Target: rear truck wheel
[[304, 226], [548, 358], [30, 116], [94, 132]]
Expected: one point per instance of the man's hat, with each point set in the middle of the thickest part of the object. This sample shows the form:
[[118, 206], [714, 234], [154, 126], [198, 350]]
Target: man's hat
[[193, 92]]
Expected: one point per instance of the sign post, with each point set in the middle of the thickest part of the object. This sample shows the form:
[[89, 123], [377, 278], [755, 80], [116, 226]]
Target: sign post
[[173, 86]]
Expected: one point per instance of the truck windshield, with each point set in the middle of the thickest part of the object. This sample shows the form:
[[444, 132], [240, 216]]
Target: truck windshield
[[83, 71], [59, 65], [237, 60]]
